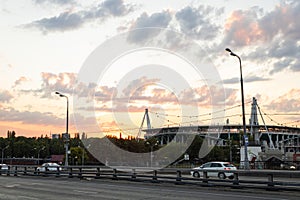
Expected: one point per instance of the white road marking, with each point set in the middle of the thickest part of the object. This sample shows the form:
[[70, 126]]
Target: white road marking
[[27, 197], [12, 185], [85, 192]]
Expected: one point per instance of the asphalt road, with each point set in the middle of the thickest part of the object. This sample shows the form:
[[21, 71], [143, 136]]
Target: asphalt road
[[31, 188]]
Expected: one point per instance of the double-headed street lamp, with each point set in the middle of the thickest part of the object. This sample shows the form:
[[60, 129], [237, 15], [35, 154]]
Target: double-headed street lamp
[[246, 161], [67, 127], [39, 150], [151, 151]]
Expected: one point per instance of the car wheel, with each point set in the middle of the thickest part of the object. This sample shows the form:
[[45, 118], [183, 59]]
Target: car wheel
[[196, 174], [231, 177], [221, 176]]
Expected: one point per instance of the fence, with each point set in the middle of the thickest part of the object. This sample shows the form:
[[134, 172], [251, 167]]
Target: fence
[[269, 179]]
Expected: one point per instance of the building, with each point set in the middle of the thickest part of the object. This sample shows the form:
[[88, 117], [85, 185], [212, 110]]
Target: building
[[268, 142]]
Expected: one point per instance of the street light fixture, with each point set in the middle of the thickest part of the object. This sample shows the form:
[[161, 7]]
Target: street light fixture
[[39, 153], [3, 153], [246, 161], [67, 127], [151, 151], [82, 155]]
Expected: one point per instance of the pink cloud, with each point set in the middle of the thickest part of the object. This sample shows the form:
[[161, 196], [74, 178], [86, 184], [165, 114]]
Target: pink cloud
[[242, 28], [247, 27], [21, 80], [289, 102]]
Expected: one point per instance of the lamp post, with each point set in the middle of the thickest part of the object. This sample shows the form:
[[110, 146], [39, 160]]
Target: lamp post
[[39, 154], [151, 151], [246, 161], [82, 155], [3, 153], [67, 127]]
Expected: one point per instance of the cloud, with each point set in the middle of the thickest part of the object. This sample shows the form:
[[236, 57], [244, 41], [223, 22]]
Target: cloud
[[116, 7], [63, 82], [59, 2], [253, 78], [289, 102], [295, 66], [273, 36], [204, 96], [245, 27], [71, 20], [231, 81], [282, 20], [242, 28], [27, 117], [197, 22], [5, 96], [21, 80], [144, 21], [281, 64], [247, 79], [146, 91], [283, 54], [136, 87], [104, 93], [160, 20], [63, 22], [160, 96]]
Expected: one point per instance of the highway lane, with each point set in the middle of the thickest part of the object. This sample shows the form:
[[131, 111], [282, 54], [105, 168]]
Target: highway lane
[[33, 188]]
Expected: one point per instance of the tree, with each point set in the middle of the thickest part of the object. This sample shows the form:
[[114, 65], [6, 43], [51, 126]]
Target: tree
[[78, 155]]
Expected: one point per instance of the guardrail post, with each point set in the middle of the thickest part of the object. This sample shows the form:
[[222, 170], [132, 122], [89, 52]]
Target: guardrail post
[[133, 175], [178, 177], [46, 172], [154, 178], [271, 180], [16, 171], [25, 170], [35, 171], [8, 171], [98, 173], [57, 172], [205, 177], [70, 172], [80, 173], [235, 179], [114, 173]]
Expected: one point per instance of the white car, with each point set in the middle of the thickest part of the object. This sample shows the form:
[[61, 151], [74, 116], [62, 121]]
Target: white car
[[3, 167], [49, 167], [210, 167]]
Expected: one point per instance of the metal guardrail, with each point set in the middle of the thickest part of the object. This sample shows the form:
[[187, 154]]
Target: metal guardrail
[[168, 175]]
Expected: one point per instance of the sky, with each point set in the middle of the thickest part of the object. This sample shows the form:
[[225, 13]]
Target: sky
[[115, 58]]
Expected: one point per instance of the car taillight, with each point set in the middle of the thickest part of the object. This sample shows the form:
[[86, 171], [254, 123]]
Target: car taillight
[[226, 168]]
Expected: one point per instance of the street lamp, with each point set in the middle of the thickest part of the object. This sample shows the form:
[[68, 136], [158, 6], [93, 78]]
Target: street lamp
[[82, 153], [246, 162], [67, 126], [3, 153], [39, 153], [151, 151]]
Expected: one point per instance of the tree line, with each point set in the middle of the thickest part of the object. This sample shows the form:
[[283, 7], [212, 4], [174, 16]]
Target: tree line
[[43, 147]]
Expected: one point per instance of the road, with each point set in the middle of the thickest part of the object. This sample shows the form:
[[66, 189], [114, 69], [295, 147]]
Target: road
[[31, 188]]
